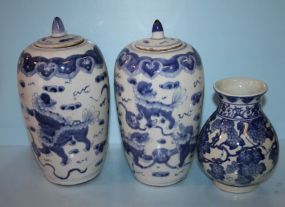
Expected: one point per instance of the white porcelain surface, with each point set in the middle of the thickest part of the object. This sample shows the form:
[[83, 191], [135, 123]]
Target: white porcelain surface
[[240, 86], [159, 87], [238, 146], [64, 98]]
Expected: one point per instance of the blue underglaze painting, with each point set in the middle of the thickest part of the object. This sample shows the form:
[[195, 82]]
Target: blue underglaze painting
[[238, 145], [67, 118], [157, 100], [60, 67]]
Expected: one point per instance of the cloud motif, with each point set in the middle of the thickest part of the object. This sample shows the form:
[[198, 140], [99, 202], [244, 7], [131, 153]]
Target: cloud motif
[[170, 85], [27, 64], [188, 62], [145, 89], [139, 137], [44, 100], [151, 67], [101, 77], [86, 63], [22, 83], [196, 98], [70, 107], [54, 88], [171, 65], [99, 148], [132, 81], [66, 68], [129, 60], [161, 141], [160, 174], [45, 70]]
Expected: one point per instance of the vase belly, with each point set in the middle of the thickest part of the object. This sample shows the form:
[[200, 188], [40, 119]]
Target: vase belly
[[159, 116], [65, 114], [238, 146]]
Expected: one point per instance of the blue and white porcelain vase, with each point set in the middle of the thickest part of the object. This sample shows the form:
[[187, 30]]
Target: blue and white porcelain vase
[[238, 147], [63, 87], [159, 88]]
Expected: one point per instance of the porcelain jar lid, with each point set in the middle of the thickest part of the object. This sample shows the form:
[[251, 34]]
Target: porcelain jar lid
[[158, 42], [59, 38]]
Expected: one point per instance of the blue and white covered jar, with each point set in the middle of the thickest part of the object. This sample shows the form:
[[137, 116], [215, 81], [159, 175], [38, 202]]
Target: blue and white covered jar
[[159, 86], [64, 91], [238, 147]]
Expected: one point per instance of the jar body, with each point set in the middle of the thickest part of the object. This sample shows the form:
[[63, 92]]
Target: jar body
[[238, 147], [64, 97], [159, 101]]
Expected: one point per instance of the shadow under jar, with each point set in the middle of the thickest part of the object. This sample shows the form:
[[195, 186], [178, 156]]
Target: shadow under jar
[[159, 88], [238, 147]]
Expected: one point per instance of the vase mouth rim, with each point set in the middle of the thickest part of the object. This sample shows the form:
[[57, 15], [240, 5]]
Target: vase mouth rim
[[240, 87]]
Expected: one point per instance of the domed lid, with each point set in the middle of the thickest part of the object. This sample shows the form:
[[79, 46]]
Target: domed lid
[[158, 42], [59, 38]]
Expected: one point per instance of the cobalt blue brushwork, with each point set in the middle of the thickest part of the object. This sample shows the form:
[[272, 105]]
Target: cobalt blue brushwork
[[66, 68], [151, 67], [157, 26], [64, 91], [57, 27], [54, 89], [159, 91], [238, 147]]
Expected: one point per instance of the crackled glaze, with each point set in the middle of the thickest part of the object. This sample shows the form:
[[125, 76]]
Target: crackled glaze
[[63, 88], [238, 147], [159, 88]]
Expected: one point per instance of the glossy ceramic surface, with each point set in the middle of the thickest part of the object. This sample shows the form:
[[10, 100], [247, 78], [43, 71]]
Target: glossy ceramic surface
[[63, 87], [159, 87], [238, 147]]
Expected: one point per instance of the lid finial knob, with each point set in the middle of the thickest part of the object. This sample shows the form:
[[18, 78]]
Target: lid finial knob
[[58, 28], [157, 30]]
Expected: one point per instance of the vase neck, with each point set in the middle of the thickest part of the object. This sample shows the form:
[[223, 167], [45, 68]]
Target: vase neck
[[239, 99], [240, 108]]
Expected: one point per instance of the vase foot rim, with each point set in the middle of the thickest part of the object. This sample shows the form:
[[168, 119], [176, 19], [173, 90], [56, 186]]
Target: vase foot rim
[[159, 184], [234, 189]]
